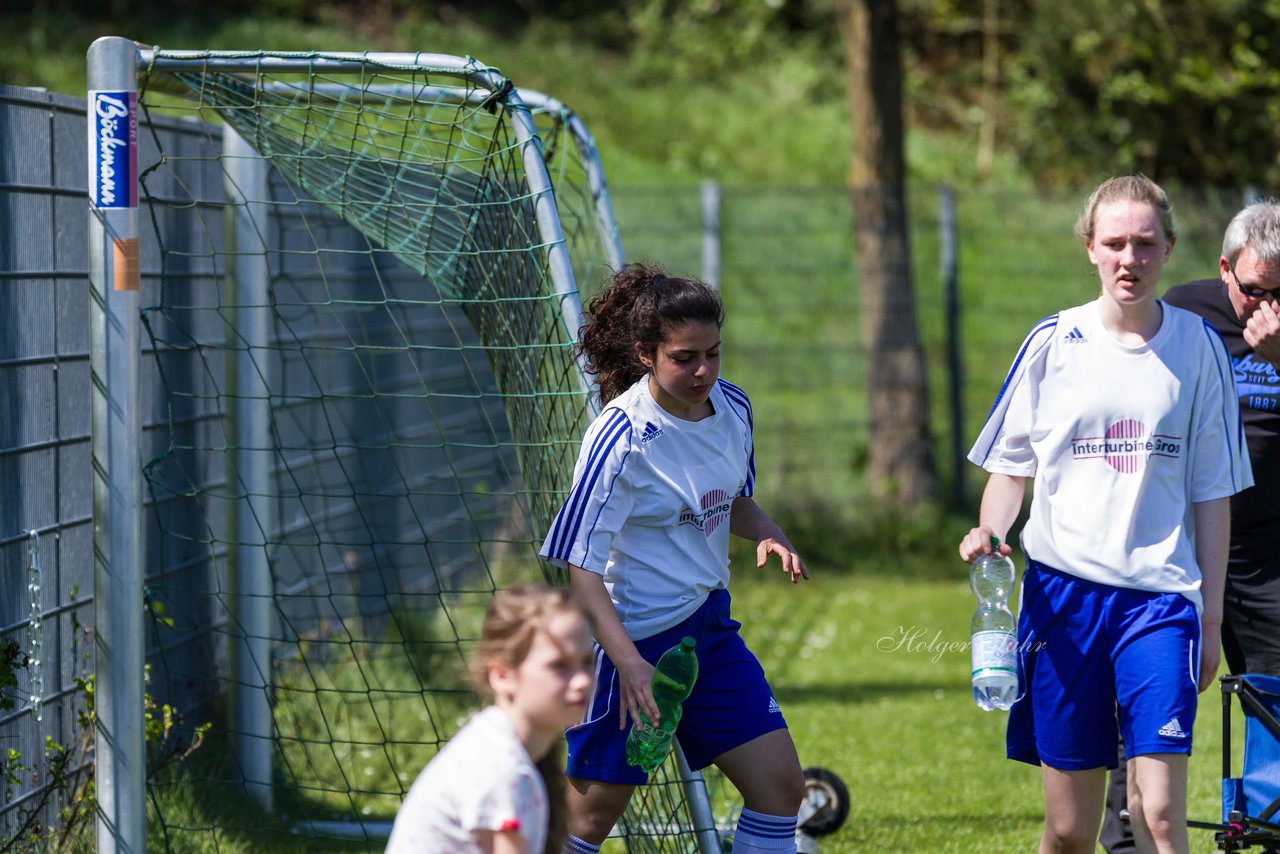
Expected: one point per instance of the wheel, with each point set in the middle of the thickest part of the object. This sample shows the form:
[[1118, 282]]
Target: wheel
[[826, 795]]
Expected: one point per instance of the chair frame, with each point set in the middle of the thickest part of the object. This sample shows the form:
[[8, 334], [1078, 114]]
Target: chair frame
[[1239, 831]]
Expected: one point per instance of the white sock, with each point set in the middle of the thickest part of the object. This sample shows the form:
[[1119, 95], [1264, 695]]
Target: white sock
[[574, 845], [759, 832]]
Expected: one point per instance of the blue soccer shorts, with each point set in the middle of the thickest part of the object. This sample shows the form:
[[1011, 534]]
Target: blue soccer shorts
[[1096, 662], [731, 703]]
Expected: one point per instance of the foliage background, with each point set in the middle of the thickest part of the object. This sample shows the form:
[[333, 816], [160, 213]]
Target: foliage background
[[752, 91]]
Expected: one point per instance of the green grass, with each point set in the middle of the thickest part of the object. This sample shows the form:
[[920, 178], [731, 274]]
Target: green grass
[[875, 686], [872, 675]]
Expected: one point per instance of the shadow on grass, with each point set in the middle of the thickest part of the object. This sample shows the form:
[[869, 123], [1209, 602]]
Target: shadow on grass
[[202, 805], [863, 692], [1005, 821], [863, 535], [354, 723]]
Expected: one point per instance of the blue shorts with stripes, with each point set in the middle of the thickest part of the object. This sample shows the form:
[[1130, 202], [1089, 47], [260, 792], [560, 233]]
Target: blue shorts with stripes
[[731, 703], [1096, 662]]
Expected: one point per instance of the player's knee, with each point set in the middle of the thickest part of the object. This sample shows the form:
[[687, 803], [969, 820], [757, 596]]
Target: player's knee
[[781, 796], [591, 825], [591, 818], [788, 793], [1069, 839], [1068, 835], [1163, 820], [794, 790]]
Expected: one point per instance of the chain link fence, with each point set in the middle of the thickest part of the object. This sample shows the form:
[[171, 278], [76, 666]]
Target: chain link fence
[[784, 260]]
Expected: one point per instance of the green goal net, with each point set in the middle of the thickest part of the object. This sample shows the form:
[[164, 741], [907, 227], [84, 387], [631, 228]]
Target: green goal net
[[362, 410], [360, 343]]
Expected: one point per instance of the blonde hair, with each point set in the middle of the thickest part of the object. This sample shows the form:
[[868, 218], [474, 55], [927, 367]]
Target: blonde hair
[[1126, 188], [513, 620]]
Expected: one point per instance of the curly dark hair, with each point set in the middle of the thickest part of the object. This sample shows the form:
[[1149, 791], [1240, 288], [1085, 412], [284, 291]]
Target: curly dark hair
[[640, 305]]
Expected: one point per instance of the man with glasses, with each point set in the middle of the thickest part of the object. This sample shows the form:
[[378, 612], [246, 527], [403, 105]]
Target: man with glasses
[[1243, 304]]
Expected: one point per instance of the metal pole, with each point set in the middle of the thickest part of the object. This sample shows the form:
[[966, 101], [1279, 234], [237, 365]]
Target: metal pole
[[547, 216], [1228, 686], [249, 426], [609, 231], [695, 790], [116, 424], [711, 233], [955, 366]]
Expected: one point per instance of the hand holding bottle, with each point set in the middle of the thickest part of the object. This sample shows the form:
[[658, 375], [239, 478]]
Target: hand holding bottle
[[673, 679], [978, 542]]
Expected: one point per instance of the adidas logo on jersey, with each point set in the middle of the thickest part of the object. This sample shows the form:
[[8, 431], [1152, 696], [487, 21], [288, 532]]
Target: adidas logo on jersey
[[1172, 729], [774, 708], [1075, 336], [651, 432]]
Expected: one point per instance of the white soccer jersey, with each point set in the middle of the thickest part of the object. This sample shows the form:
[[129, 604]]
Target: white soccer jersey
[[649, 507], [483, 779], [1121, 441]]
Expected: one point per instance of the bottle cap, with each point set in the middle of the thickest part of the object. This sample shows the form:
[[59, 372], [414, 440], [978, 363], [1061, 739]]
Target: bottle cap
[[995, 544], [688, 642]]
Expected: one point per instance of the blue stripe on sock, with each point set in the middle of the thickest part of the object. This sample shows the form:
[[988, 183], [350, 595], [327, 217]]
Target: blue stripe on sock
[[764, 826], [574, 845]]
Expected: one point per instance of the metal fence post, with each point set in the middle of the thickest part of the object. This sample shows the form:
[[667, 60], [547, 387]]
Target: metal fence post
[[249, 576], [948, 252], [711, 233], [116, 426]]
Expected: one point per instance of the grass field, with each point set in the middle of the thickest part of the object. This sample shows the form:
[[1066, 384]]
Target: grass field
[[873, 678], [872, 673]]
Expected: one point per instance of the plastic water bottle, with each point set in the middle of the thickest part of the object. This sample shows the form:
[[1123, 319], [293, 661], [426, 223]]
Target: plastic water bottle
[[993, 638], [672, 683]]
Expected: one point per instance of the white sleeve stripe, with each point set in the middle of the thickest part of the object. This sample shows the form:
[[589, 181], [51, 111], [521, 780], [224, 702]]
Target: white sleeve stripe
[[568, 522], [1047, 324], [737, 397], [741, 406]]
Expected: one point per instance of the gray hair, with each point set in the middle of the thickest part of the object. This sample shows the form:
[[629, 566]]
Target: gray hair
[[1257, 226]]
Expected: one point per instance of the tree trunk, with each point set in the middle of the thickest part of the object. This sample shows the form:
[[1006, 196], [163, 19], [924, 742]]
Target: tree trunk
[[990, 86], [900, 455]]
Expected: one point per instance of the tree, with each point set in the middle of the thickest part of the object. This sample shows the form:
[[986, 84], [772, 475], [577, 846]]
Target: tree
[[1183, 91], [900, 457]]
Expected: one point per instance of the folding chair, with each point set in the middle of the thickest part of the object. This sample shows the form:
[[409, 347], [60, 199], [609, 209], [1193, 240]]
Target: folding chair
[[1250, 802]]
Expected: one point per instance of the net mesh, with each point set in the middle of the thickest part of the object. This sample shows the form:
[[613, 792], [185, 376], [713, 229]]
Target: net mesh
[[424, 408], [424, 412]]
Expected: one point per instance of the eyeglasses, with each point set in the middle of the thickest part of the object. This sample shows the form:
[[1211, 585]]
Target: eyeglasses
[[1253, 291]]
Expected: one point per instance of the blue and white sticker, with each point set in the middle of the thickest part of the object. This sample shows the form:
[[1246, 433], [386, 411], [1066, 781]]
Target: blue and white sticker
[[113, 149]]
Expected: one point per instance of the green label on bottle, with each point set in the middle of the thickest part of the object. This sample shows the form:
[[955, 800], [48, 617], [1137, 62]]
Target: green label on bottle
[[994, 651]]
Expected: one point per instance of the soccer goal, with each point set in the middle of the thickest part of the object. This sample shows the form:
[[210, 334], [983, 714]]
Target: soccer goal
[[354, 417]]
